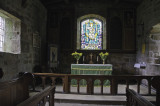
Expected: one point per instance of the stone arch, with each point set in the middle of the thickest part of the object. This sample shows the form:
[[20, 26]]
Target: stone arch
[[154, 42]]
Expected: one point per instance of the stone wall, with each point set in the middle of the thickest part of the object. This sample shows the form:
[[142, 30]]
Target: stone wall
[[123, 61], [33, 16], [148, 15]]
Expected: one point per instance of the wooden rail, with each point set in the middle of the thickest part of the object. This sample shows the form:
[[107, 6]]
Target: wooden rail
[[153, 81], [135, 99], [41, 99], [114, 81]]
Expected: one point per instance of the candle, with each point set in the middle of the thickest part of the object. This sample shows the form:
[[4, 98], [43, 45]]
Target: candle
[[83, 58]]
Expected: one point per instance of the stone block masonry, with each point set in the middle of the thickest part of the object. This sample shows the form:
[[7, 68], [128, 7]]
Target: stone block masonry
[[33, 16]]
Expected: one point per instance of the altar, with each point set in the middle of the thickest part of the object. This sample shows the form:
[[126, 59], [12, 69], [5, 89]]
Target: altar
[[91, 69]]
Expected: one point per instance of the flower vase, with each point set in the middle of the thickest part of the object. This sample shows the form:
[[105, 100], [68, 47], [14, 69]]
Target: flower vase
[[103, 61], [77, 61]]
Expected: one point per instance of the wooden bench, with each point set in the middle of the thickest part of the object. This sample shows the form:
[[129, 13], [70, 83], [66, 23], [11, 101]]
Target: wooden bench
[[135, 99], [15, 91], [41, 99]]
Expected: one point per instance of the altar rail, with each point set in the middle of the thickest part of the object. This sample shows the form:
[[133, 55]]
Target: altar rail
[[114, 81], [135, 99]]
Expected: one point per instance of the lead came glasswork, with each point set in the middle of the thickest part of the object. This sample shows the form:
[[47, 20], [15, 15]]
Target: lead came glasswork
[[91, 34]]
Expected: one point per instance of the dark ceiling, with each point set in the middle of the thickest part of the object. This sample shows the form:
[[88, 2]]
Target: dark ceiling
[[54, 3]]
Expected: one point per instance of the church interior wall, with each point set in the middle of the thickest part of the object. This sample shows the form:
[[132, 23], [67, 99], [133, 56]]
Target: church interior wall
[[62, 29], [148, 15], [123, 57], [33, 16]]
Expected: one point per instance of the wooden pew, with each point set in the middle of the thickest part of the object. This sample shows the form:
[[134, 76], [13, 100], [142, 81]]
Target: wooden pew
[[135, 99], [40, 99], [155, 84], [15, 91]]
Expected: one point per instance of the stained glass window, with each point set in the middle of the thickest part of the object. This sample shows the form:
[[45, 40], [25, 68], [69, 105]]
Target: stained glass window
[[91, 34]]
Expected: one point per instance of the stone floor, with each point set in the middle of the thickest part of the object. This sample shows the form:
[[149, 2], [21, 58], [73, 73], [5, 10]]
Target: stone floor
[[98, 98], [73, 99], [106, 89], [76, 104]]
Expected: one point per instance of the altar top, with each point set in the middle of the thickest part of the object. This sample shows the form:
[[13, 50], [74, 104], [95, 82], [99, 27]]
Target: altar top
[[100, 67], [93, 64]]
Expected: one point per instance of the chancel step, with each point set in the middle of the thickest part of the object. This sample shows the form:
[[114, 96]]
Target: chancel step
[[90, 99]]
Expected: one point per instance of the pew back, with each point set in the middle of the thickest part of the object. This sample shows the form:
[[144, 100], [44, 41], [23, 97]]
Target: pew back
[[41, 99], [15, 91], [135, 99]]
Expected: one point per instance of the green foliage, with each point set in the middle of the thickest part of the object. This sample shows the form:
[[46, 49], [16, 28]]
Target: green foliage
[[103, 55], [76, 55]]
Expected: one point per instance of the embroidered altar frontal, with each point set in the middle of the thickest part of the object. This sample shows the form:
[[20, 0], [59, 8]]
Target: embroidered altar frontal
[[91, 69]]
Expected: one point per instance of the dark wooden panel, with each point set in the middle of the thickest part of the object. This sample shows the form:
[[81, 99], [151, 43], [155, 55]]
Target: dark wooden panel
[[15, 91], [129, 29], [65, 33], [53, 20], [129, 39], [115, 33]]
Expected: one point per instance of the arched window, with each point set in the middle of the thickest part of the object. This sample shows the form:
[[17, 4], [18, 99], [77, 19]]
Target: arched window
[[91, 33]]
